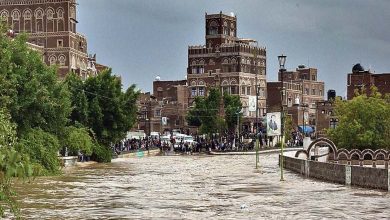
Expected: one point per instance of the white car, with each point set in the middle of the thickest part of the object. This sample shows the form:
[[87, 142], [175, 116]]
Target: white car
[[165, 139], [188, 139]]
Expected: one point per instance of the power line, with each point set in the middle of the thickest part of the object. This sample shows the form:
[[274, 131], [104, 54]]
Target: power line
[[92, 93]]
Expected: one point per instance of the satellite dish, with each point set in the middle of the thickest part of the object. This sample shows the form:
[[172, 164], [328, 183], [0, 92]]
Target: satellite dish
[[232, 14], [158, 78]]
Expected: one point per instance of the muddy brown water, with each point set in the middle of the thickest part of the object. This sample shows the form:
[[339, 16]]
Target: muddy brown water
[[194, 187]]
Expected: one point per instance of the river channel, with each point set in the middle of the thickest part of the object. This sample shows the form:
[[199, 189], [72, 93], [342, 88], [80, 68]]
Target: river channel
[[195, 187]]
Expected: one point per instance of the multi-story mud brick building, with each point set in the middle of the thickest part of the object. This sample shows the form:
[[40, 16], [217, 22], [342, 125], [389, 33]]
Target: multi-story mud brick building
[[52, 25], [229, 63]]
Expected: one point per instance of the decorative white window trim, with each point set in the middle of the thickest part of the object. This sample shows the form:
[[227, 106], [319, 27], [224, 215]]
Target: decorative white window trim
[[39, 13], [50, 13], [27, 14], [60, 13], [52, 60], [4, 14], [62, 60], [15, 14]]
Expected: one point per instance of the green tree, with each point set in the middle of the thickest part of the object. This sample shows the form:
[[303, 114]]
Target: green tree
[[78, 139], [288, 127], [42, 148], [34, 96], [111, 112], [36, 99], [206, 111], [232, 106], [12, 164], [78, 99], [129, 107], [364, 122], [194, 114]]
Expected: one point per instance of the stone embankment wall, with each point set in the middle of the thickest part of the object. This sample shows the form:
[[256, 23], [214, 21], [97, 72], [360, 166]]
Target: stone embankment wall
[[368, 177]]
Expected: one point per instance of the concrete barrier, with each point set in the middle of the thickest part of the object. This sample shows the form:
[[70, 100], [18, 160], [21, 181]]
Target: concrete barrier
[[368, 177]]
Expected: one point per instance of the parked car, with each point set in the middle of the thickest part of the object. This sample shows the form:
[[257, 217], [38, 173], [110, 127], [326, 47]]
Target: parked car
[[165, 139], [189, 139]]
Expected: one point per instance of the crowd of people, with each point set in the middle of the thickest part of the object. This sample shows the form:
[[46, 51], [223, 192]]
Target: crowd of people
[[246, 142], [130, 145]]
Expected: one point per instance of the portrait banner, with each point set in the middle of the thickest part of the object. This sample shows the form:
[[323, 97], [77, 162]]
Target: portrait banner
[[164, 121], [252, 106], [274, 124]]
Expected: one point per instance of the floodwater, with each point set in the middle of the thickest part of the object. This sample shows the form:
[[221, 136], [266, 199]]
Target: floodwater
[[195, 187]]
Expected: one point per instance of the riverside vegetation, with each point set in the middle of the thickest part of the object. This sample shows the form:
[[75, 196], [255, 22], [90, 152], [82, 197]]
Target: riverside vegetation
[[364, 122], [41, 115]]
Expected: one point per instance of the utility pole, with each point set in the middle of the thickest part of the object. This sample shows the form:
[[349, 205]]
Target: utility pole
[[238, 126], [282, 61], [257, 108]]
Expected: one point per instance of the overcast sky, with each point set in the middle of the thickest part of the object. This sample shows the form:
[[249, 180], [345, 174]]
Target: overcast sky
[[145, 38]]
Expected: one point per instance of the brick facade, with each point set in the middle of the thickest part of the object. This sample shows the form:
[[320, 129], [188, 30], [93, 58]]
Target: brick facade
[[302, 91], [361, 79], [228, 63], [325, 117], [225, 62], [170, 101], [51, 24]]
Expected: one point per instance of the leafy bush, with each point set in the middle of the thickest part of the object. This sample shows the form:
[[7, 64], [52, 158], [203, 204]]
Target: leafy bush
[[364, 122], [78, 139], [101, 153], [12, 164], [42, 148]]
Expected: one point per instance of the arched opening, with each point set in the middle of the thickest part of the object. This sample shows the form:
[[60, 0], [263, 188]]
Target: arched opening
[[355, 159], [380, 160], [343, 158], [50, 20], [301, 154], [368, 159], [330, 151]]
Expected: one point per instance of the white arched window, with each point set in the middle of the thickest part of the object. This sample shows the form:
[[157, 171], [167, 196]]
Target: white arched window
[[4, 15], [62, 60], [39, 13], [52, 60], [15, 14], [60, 13], [50, 13], [225, 83], [233, 82], [73, 65], [27, 14], [72, 12], [213, 29]]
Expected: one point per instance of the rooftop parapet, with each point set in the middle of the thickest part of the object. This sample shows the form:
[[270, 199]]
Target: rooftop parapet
[[226, 48]]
